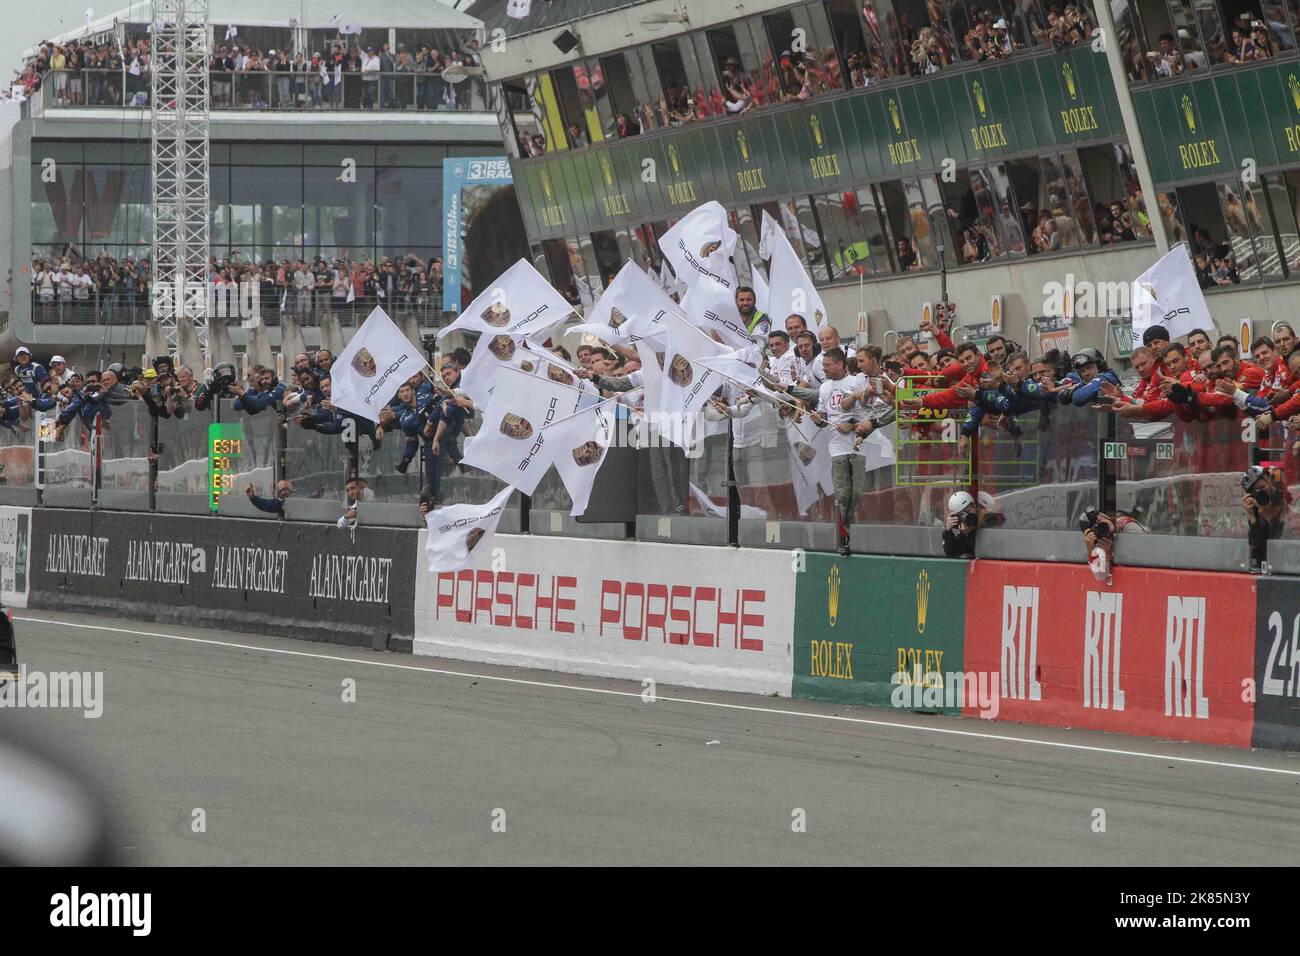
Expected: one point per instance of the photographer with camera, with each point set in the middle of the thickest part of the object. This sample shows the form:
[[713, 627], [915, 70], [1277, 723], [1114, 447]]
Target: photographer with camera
[[1265, 504], [265, 392], [1099, 538], [965, 517], [222, 385], [94, 400]]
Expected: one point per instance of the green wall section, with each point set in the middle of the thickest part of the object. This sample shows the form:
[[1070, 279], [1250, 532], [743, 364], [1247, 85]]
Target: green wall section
[[1023, 106], [857, 618], [1210, 126]]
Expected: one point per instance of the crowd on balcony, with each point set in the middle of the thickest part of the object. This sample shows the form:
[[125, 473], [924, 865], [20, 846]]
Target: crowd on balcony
[[70, 288], [349, 71]]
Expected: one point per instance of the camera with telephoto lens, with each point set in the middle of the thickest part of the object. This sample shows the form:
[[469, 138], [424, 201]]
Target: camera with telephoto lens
[[1090, 520], [129, 376]]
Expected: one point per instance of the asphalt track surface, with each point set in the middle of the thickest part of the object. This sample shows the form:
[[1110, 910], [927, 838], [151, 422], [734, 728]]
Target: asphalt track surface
[[254, 731]]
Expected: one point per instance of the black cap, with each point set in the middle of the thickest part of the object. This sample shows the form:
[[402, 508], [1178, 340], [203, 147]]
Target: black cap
[[1155, 332]]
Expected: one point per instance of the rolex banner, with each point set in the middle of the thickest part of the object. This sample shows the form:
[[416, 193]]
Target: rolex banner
[[373, 367], [881, 631]]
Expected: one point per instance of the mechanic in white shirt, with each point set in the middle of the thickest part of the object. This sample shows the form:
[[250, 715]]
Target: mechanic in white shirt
[[837, 408]]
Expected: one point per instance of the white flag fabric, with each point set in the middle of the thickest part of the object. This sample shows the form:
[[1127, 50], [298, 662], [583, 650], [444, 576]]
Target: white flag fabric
[[373, 367], [519, 9], [352, 292], [685, 385], [733, 367], [767, 229], [876, 448], [809, 449], [583, 441], [791, 289], [232, 31], [512, 442], [632, 307], [711, 306], [520, 302], [762, 294], [700, 244], [651, 375], [1168, 294], [713, 509], [456, 532], [491, 353]]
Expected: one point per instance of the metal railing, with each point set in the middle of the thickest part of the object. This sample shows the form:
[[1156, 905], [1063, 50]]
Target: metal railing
[[132, 308], [1175, 477], [461, 88]]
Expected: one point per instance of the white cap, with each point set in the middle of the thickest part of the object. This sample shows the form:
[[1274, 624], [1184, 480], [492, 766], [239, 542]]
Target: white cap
[[987, 501], [1000, 24], [58, 358], [21, 350], [959, 502]]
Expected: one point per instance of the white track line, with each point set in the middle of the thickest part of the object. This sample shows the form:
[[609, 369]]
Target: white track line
[[865, 721]]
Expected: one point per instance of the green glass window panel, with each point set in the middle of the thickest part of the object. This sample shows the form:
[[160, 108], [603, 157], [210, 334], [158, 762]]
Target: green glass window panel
[[1034, 118], [1149, 123], [1278, 90], [1195, 131], [680, 175], [958, 115], [857, 141], [918, 107], [817, 148]]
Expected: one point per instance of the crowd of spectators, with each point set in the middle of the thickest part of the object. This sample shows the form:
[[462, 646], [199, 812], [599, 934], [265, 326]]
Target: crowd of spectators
[[349, 73], [104, 289]]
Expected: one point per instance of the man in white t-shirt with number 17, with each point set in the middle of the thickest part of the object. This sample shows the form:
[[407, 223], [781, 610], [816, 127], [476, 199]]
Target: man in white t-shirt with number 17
[[838, 409]]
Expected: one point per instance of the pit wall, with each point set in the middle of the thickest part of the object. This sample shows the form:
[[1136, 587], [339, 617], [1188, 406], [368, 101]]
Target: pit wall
[[1187, 655]]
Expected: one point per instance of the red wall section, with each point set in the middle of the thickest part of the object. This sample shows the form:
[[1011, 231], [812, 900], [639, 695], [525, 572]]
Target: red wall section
[[1158, 653]]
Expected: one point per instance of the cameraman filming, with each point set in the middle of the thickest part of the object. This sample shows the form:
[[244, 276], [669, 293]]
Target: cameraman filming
[[1265, 504]]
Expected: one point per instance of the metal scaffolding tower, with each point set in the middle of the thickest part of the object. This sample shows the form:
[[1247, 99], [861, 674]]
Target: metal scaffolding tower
[[179, 109]]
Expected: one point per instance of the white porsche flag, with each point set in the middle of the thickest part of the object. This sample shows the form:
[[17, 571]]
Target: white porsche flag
[[512, 442], [877, 449], [700, 244], [521, 302], [632, 307], [374, 365], [718, 509], [685, 385], [457, 532], [491, 354], [791, 290], [711, 306], [809, 449], [733, 367], [519, 9], [1168, 294], [583, 440]]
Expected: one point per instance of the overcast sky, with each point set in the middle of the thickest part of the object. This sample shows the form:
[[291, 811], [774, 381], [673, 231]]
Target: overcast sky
[[27, 23]]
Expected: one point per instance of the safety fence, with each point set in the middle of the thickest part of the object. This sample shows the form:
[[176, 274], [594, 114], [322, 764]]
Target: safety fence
[[299, 90], [753, 480], [1207, 657]]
